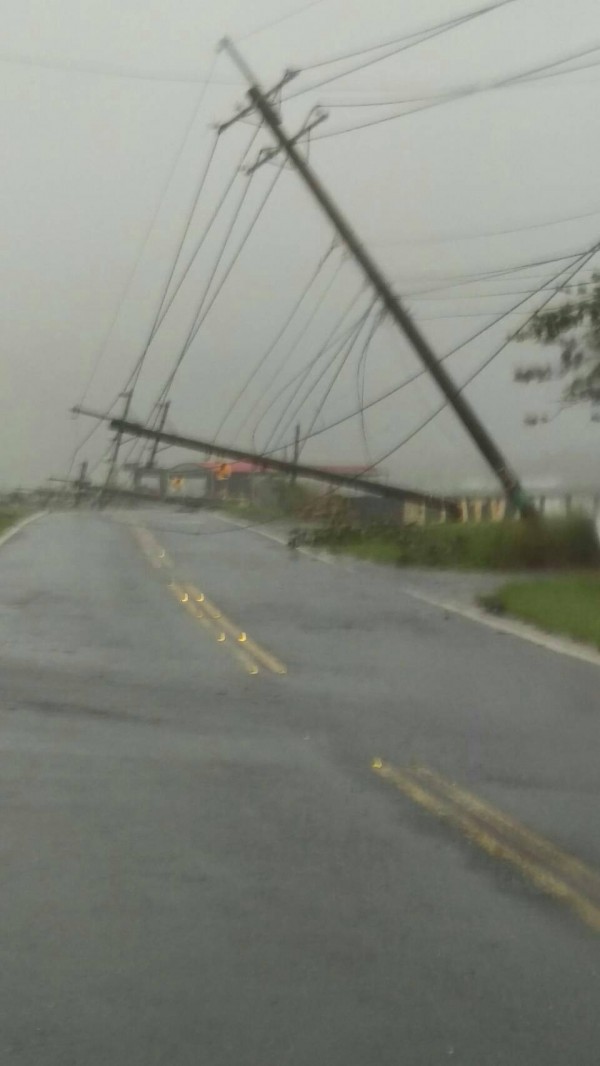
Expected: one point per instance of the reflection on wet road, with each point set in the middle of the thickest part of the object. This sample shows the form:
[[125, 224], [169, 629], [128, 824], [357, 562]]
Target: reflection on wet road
[[262, 809]]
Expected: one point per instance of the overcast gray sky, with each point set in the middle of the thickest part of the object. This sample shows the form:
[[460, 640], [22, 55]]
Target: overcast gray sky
[[97, 97]]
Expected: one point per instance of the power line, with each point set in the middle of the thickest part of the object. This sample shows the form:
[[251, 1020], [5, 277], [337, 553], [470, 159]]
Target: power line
[[239, 250], [287, 357], [459, 94], [302, 375], [582, 259], [167, 304], [149, 232], [361, 368], [102, 71], [479, 280], [203, 311], [388, 43], [271, 348], [104, 346], [574, 271], [428, 35], [450, 239], [585, 258], [527, 76], [299, 379], [491, 275], [461, 314], [207, 228], [163, 306], [161, 309], [344, 348], [338, 369], [489, 295], [135, 373], [373, 275], [282, 18], [572, 70]]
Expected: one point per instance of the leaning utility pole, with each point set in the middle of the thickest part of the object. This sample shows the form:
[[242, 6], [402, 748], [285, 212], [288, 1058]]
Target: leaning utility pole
[[392, 304]]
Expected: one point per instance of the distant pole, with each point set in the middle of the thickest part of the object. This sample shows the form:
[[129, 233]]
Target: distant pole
[[161, 425], [112, 469], [392, 304], [81, 482], [296, 452]]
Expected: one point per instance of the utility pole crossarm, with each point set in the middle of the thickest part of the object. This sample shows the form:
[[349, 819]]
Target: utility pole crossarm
[[463, 409]]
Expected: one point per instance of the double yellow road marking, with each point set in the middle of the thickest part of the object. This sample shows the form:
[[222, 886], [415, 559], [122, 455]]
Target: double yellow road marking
[[250, 647], [551, 870], [250, 655]]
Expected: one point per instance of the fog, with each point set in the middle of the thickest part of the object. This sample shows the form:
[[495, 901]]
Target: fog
[[108, 111]]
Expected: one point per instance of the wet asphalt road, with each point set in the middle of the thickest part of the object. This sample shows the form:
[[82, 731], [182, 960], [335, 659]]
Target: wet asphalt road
[[199, 865]]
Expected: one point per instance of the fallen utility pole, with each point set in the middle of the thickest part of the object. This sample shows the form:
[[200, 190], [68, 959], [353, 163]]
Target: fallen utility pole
[[390, 492], [397, 312]]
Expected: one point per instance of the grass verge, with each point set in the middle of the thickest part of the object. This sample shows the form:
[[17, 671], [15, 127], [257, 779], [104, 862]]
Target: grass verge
[[552, 544], [7, 518], [569, 604]]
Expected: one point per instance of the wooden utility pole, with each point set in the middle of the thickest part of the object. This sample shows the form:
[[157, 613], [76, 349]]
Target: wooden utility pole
[[81, 483], [164, 411], [373, 488], [296, 453], [463, 409], [268, 462], [112, 469]]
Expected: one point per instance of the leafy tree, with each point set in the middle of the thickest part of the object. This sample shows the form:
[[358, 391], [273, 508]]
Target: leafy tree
[[574, 327]]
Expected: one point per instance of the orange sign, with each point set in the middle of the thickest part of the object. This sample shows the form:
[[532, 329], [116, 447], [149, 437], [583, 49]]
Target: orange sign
[[223, 472]]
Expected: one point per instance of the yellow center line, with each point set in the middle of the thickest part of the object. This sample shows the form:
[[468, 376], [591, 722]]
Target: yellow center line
[[183, 597], [247, 651], [238, 653], [242, 638], [152, 549], [158, 557], [244, 650], [451, 807], [544, 850]]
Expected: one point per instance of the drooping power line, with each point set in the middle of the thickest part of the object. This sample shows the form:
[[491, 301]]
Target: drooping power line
[[407, 43]]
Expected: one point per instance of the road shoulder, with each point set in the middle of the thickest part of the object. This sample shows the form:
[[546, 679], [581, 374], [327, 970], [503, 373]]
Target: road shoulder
[[18, 526], [465, 589]]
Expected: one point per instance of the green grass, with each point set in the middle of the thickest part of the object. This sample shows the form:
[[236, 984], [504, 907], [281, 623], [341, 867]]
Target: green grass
[[552, 544], [7, 518], [569, 604]]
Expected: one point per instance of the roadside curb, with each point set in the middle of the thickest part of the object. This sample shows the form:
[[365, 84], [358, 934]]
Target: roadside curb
[[513, 628], [12, 532]]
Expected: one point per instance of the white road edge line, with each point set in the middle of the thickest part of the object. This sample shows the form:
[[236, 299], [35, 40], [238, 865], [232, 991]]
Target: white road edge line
[[513, 628], [320, 556], [559, 645], [13, 530]]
